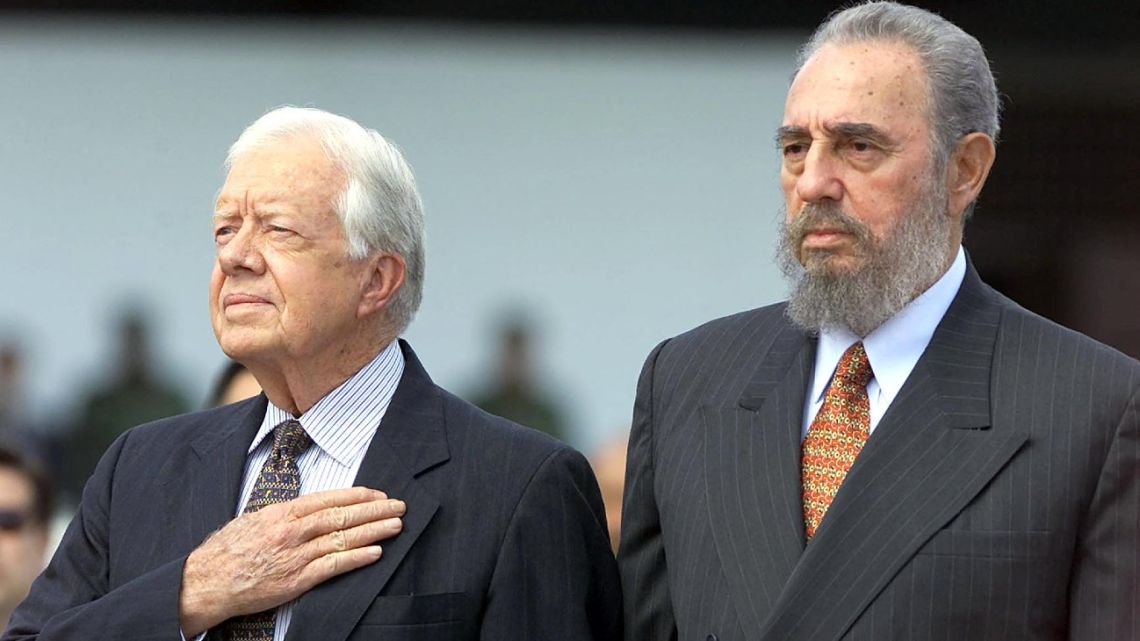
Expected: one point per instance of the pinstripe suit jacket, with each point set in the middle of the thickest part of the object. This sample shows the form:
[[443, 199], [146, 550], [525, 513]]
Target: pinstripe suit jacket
[[997, 499], [504, 536]]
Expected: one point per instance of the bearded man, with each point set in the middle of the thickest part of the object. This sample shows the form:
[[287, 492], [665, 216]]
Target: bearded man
[[899, 451]]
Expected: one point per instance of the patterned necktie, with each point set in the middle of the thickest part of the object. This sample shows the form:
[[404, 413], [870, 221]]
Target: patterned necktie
[[836, 435], [278, 481]]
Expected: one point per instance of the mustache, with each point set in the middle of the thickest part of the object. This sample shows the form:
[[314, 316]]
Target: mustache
[[825, 215]]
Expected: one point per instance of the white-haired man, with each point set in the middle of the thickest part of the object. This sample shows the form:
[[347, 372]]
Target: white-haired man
[[369, 503], [899, 452]]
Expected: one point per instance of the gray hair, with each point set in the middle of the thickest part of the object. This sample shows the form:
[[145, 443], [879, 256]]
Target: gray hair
[[962, 96], [379, 208]]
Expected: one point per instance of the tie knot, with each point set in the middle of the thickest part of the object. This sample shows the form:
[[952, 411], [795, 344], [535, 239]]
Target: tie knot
[[290, 440], [854, 368]]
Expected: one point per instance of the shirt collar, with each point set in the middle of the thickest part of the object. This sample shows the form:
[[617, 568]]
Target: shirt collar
[[342, 423], [894, 347]]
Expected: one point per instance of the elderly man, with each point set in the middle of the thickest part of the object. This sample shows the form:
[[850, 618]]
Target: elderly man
[[898, 452], [26, 500], [370, 503]]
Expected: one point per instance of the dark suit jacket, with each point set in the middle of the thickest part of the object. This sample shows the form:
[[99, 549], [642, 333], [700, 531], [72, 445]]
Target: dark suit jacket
[[997, 499], [504, 536]]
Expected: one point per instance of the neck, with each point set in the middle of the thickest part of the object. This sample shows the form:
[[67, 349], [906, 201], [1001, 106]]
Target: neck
[[297, 385]]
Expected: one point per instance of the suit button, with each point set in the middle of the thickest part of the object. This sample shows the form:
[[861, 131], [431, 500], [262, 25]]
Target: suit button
[[711, 637]]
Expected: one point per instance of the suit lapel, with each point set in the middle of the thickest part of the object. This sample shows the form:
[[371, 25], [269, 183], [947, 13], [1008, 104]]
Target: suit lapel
[[215, 481], [410, 440], [752, 463], [931, 453]]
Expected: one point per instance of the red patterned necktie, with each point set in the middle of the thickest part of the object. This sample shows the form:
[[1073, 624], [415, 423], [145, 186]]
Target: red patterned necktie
[[278, 481], [836, 435]]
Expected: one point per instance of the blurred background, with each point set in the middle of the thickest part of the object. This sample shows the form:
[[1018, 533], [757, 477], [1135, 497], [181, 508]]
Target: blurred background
[[596, 178]]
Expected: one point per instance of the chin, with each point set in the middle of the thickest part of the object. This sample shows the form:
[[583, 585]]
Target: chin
[[241, 347]]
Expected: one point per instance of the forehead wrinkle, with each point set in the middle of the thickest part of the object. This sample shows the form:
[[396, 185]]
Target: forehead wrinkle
[[862, 68], [260, 208]]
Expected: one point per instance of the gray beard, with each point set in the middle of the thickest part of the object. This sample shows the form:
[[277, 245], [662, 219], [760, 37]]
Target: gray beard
[[896, 269]]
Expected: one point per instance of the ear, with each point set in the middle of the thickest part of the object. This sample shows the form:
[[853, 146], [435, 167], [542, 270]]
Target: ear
[[967, 170], [384, 277]]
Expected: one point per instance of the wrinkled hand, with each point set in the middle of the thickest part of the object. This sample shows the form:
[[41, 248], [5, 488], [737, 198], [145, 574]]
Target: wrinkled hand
[[263, 559]]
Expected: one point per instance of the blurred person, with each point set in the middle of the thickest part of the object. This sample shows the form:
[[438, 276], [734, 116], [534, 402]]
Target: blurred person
[[16, 428], [608, 462], [135, 395], [354, 498], [11, 384], [899, 451], [26, 504], [235, 383], [516, 393]]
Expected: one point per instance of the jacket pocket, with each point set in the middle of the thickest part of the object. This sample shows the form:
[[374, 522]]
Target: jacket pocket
[[419, 609]]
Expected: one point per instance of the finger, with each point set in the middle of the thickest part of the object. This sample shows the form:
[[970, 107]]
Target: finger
[[344, 517], [310, 503], [329, 565], [340, 517], [353, 538]]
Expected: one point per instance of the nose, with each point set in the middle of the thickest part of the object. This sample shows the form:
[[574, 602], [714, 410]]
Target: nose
[[820, 177], [241, 252]]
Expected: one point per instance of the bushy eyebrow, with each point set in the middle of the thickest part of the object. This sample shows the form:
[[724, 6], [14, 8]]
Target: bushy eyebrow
[[790, 132], [839, 131], [866, 131]]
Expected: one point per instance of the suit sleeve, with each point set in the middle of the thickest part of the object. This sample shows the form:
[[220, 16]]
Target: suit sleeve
[[556, 577], [72, 600], [1105, 590], [641, 555]]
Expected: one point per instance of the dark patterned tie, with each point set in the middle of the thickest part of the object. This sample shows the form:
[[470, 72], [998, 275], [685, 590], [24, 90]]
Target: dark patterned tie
[[278, 481], [836, 435]]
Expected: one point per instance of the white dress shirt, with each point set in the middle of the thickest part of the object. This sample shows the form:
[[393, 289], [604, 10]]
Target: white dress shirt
[[341, 425], [893, 348]]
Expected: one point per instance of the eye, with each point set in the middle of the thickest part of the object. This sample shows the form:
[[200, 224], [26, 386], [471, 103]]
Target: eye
[[278, 229], [223, 233], [794, 150], [862, 146]]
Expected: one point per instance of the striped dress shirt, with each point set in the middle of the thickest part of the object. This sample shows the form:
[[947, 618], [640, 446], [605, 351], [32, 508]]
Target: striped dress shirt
[[341, 425]]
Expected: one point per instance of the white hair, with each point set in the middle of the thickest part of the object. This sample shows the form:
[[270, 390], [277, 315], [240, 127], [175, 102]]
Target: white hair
[[962, 94], [379, 207]]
